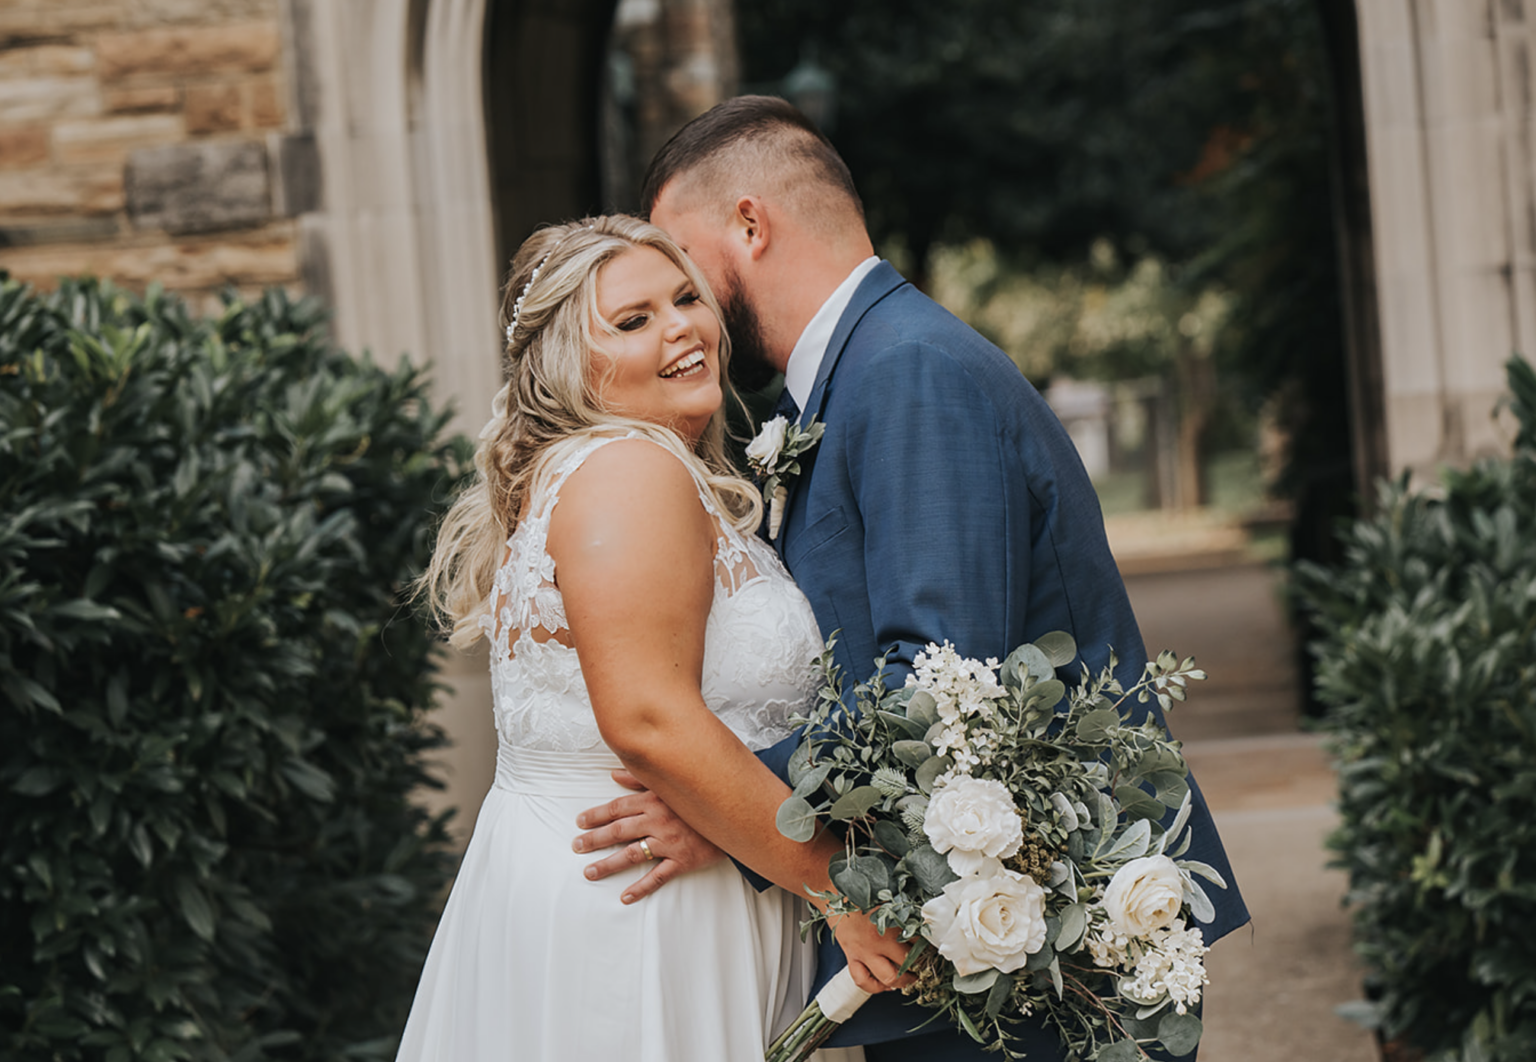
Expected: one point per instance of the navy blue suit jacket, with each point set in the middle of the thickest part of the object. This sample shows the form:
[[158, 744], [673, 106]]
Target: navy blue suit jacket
[[945, 501]]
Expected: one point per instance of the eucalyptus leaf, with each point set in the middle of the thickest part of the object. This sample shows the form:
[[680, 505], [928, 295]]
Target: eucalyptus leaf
[[854, 882], [892, 838], [998, 997], [923, 709], [912, 753], [902, 725], [929, 772], [811, 780], [1095, 726], [1074, 923], [1024, 664], [855, 803], [1171, 786], [930, 869], [796, 819], [1180, 1033], [1120, 1051], [1136, 804], [977, 983], [1058, 647], [1048, 694], [1130, 843], [800, 763]]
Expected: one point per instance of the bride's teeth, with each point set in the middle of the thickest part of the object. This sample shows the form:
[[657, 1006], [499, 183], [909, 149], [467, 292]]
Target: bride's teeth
[[682, 365]]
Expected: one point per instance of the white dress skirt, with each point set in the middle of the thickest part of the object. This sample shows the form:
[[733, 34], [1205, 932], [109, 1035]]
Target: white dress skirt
[[534, 963]]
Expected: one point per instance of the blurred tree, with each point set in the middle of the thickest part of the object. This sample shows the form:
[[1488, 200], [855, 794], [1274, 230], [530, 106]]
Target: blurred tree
[[1194, 132]]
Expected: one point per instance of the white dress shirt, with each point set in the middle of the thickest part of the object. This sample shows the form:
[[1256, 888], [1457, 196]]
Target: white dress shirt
[[805, 360]]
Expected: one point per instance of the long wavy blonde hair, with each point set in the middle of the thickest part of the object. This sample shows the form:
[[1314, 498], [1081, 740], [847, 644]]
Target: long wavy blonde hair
[[551, 403]]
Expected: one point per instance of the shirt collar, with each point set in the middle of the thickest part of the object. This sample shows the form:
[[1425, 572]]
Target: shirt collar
[[805, 360]]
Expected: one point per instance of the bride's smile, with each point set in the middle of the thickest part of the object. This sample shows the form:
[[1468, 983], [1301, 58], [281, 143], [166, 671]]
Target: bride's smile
[[659, 348]]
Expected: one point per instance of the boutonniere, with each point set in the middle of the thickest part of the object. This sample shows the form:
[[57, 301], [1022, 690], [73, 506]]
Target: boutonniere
[[773, 454]]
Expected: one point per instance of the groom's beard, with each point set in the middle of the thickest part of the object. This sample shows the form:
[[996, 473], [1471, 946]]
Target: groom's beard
[[750, 368]]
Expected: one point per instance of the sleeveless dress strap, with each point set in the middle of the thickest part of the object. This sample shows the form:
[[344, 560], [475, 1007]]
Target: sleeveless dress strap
[[549, 493]]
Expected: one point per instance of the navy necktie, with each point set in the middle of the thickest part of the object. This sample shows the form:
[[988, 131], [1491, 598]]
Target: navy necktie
[[787, 407]]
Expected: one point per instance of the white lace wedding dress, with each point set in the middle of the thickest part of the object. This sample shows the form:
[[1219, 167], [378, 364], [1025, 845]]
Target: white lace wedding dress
[[533, 962]]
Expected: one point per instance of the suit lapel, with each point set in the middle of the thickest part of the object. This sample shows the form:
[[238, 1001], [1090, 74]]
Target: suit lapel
[[881, 281]]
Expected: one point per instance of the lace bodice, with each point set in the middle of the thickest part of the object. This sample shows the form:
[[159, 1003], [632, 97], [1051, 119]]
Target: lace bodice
[[760, 641]]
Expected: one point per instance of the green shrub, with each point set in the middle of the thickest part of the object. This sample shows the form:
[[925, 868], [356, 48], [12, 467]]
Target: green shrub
[[1428, 664], [213, 701]]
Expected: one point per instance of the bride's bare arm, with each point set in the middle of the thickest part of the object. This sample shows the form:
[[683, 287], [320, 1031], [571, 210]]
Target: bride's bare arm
[[634, 560]]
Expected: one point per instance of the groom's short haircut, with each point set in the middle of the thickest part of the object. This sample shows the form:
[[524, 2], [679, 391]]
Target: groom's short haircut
[[755, 145]]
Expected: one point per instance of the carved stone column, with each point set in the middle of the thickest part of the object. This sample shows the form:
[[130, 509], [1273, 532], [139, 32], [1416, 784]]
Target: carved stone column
[[1448, 105]]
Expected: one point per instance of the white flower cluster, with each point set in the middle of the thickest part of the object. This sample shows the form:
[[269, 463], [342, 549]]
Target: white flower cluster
[[1138, 930], [964, 690], [1110, 950], [1172, 961]]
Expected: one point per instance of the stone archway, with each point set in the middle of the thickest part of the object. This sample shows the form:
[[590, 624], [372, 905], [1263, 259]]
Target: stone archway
[[401, 240], [443, 132], [404, 240]]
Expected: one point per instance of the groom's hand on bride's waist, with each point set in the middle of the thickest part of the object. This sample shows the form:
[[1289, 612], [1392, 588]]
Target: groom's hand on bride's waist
[[642, 829]]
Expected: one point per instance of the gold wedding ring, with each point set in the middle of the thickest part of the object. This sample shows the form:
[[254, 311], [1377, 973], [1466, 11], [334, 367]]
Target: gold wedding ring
[[645, 846]]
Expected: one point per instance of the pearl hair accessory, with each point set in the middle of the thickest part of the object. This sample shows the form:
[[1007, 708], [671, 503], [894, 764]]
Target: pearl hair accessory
[[517, 305]]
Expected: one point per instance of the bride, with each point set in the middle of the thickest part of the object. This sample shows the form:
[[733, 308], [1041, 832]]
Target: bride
[[606, 551]]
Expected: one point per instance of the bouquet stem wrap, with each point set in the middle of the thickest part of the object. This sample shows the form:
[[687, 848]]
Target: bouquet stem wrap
[[838, 1001]]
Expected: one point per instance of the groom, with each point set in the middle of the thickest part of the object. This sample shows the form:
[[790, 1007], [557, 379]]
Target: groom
[[944, 501]]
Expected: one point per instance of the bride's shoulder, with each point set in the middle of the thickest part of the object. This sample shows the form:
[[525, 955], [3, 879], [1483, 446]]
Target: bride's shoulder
[[632, 480], [603, 458]]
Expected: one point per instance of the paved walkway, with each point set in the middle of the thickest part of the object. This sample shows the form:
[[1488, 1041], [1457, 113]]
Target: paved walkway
[[1274, 985]]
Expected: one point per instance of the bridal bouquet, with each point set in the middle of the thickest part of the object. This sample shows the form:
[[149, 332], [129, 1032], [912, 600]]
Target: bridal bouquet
[[1021, 849]]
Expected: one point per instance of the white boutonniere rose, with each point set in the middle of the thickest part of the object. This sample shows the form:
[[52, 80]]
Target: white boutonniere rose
[[763, 450], [991, 923], [1144, 896], [973, 820], [772, 455]]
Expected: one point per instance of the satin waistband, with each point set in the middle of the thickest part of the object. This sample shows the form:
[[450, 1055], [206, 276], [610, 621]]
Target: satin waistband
[[545, 773]]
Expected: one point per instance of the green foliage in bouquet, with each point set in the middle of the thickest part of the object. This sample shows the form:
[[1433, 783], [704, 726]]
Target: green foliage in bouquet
[[212, 719], [1427, 661], [1027, 838]]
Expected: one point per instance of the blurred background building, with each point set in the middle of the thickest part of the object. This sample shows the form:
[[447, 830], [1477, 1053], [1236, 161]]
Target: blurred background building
[[388, 156]]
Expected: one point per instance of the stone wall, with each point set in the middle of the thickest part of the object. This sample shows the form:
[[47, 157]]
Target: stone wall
[[148, 140]]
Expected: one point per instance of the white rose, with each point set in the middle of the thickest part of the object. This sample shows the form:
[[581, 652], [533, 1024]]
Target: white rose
[[992, 923], [975, 816], [1144, 895], [763, 450]]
